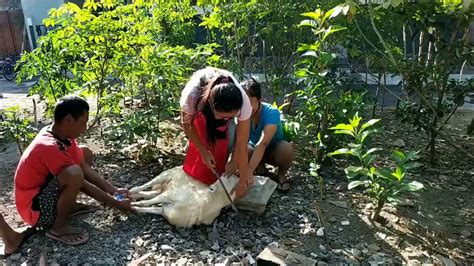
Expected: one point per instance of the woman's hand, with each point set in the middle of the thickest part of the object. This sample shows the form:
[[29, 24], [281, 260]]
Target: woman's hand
[[245, 182], [230, 168], [208, 159], [241, 190]]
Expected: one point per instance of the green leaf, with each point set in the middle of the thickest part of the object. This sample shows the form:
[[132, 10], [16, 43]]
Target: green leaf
[[412, 186], [373, 150], [398, 156], [333, 12], [367, 133], [343, 131], [306, 47], [309, 23], [355, 121], [331, 30], [310, 53], [411, 155], [368, 124], [355, 171], [356, 183], [385, 173], [412, 165], [341, 152], [316, 15], [343, 127], [399, 174]]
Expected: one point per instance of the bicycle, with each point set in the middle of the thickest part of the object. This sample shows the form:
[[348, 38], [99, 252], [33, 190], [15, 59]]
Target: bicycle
[[8, 68]]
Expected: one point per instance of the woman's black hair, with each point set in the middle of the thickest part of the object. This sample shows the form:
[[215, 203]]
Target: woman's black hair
[[222, 95]]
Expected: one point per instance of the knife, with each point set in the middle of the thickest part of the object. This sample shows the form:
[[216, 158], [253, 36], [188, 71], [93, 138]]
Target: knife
[[226, 192]]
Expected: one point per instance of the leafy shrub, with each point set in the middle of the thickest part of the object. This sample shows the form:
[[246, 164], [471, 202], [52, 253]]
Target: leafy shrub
[[383, 184]]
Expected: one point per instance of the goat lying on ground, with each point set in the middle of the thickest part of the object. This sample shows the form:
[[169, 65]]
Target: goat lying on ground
[[182, 200]]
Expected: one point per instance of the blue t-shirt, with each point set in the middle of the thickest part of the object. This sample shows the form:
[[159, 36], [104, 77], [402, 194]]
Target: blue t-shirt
[[268, 116]]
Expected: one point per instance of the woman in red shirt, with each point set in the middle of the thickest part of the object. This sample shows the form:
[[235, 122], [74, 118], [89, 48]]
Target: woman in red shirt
[[209, 102]]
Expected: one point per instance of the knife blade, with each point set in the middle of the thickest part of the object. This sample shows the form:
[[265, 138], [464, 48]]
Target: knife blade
[[226, 192]]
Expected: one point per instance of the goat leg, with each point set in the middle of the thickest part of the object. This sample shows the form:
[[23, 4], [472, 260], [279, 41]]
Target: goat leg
[[154, 201], [152, 210], [144, 194], [160, 179]]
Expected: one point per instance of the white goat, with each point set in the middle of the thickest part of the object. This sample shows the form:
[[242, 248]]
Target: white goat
[[182, 200]]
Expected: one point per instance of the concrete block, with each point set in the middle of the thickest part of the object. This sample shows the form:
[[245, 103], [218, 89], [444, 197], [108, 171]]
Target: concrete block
[[258, 195], [272, 256]]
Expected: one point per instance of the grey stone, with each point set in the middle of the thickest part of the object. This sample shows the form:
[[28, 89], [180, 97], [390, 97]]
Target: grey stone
[[332, 219], [352, 261], [266, 239], [250, 259], [374, 247], [15, 256], [258, 195], [341, 204], [399, 143], [213, 236], [139, 242], [166, 247], [274, 245], [445, 261], [322, 263], [182, 261], [342, 187], [320, 232], [205, 253], [356, 252], [466, 233], [216, 246], [323, 248], [414, 263], [284, 257]]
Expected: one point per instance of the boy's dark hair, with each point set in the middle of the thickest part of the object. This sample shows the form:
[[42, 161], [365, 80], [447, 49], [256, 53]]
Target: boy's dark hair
[[70, 105], [253, 88]]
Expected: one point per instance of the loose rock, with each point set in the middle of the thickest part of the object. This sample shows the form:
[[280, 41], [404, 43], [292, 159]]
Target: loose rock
[[320, 232], [374, 247], [345, 222]]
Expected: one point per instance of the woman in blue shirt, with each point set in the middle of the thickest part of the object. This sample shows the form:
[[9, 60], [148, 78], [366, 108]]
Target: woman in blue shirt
[[267, 142]]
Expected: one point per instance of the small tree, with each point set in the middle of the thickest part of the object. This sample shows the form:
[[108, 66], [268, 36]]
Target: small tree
[[18, 126], [383, 184], [326, 95], [435, 45]]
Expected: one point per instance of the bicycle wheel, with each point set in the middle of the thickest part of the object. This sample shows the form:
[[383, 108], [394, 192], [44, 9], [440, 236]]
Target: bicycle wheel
[[9, 72]]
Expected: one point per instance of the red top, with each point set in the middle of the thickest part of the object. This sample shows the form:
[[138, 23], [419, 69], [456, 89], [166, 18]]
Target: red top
[[46, 155], [193, 164]]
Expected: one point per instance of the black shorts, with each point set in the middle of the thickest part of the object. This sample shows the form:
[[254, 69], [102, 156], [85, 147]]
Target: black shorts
[[269, 151], [46, 202]]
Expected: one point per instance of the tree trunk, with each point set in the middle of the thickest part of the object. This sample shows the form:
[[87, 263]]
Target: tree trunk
[[377, 93], [383, 91], [376, 215], [324, 128], [433, 136]]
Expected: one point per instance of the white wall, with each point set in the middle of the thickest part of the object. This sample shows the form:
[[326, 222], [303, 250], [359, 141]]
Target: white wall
[[35, 11]]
